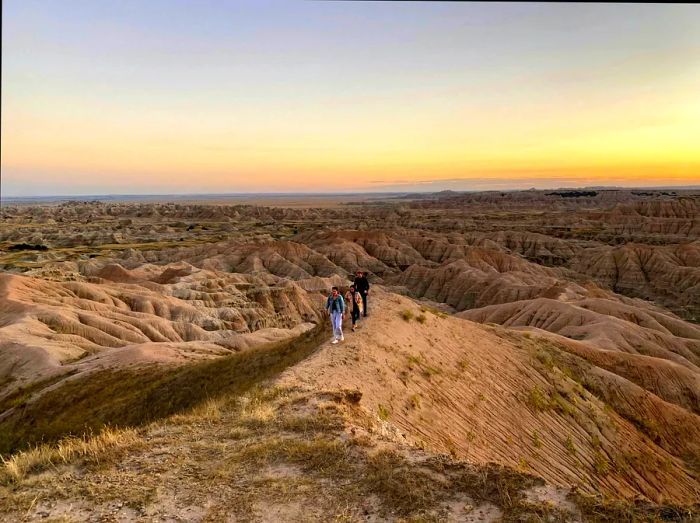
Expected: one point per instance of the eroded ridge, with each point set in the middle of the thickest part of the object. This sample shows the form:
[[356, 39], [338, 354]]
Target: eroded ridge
[[550, 334]]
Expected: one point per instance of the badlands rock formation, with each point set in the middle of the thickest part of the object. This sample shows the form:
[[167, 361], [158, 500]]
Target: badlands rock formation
[[553, 332]]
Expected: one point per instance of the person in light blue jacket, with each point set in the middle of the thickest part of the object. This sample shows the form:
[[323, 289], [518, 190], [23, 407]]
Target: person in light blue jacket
[[335, 305]]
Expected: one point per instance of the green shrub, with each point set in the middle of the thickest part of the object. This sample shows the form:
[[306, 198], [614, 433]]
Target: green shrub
[[569, 445], [601, 464], [537, 399]]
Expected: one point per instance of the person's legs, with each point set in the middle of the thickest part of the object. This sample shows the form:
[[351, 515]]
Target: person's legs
[[364, 303], [355, 316], [337, 321], [332, 318], [338, 324]]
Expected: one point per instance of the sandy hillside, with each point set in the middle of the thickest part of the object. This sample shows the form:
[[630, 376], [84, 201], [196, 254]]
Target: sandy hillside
[[416, 416], [485, 395]]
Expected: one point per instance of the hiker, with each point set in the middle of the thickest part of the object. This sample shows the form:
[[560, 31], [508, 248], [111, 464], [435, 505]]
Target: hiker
[[336, 307], [354, 301], [362, 286]]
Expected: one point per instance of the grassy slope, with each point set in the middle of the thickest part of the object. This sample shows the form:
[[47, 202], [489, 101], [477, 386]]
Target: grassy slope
[[277, 454], [131, 397]]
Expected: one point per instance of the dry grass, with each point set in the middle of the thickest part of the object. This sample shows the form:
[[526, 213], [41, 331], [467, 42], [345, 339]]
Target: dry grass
[[383, 412], [434, 311], [274, 448], [209, 411], [413, 361], [596, 510], [601, 464], [403, 488], [545, 358], [255, 413], [560, 405], [322, 422], [90, 449], [140, 396], [536, 440], [320, 455]]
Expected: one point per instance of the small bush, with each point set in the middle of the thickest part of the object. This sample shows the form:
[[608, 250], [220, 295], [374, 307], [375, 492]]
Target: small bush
[[601, 465], [414, 361], [383, 412], [560, 405], [428, 371], [569, 445], [421, 318], [536, 441], [537, 399], [648, 426], [433, 311], [407, 315], [545, 359]]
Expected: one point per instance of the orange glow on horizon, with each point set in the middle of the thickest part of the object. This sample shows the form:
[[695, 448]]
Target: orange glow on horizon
[[283, 117]]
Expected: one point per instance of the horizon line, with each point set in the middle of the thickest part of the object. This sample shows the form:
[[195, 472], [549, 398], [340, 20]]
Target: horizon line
[[340, 193]]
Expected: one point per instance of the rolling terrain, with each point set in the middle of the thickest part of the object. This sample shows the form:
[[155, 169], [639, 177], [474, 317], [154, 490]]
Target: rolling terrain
[[532, 354]]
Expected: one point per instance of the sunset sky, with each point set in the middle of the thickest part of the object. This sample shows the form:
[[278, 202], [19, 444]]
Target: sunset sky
[[156, 96]]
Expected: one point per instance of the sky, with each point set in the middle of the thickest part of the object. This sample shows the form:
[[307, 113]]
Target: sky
[[173, 96]]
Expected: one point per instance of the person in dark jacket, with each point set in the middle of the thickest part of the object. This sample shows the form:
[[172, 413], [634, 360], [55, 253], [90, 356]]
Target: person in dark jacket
[[362, 286]]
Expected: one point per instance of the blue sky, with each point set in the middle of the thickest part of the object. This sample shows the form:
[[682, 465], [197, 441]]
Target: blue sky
[[156, 96]]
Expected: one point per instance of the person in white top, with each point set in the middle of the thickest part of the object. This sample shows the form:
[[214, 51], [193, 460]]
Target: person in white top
[[353, 301]]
